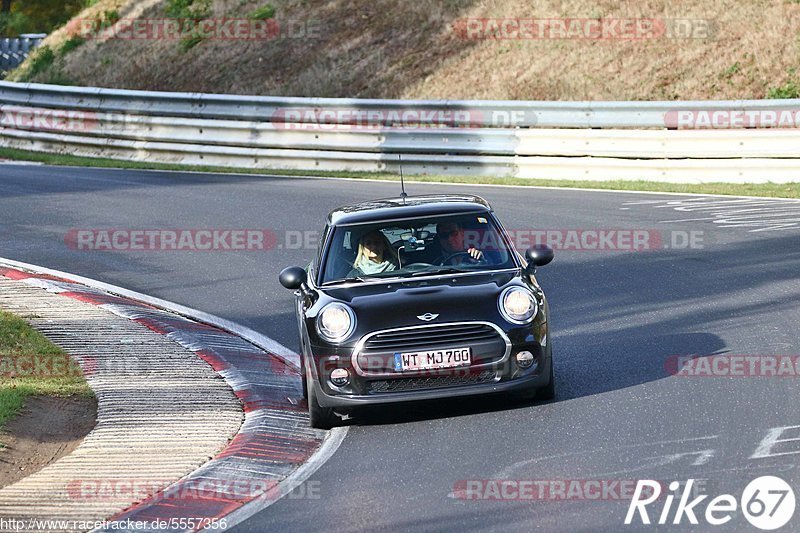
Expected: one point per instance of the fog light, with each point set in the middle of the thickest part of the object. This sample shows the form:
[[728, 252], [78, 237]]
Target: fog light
[[340, 377], [524, 359]]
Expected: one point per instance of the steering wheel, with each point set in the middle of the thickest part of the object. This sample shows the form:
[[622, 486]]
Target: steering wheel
[[416, 267], [450, 257]]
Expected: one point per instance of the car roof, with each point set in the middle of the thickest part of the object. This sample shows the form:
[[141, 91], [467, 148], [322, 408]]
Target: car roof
[[408, 207]]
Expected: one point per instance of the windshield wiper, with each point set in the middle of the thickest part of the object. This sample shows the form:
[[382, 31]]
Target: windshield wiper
[[354, 279], [446, 270]]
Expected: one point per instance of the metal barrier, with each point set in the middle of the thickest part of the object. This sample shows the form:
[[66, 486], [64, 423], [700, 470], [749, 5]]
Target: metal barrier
[[13, 51], [558, 140]]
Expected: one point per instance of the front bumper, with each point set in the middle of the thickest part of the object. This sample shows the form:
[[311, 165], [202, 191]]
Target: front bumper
[[496, 372], [539, 378]]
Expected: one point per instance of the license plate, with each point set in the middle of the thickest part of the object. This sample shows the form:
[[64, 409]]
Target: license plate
[[432, 359]]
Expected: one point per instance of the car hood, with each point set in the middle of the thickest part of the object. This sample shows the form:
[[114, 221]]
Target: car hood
[[398, 304]]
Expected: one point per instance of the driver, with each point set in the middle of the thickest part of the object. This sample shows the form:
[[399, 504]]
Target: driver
[[451, 239]]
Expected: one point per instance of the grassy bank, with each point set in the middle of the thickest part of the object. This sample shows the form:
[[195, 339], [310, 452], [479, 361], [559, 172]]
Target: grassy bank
[[776, 190], [458, 49], [30, 365]]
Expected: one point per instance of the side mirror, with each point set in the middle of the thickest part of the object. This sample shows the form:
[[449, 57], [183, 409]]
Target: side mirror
[[538, 256], [293, 277]]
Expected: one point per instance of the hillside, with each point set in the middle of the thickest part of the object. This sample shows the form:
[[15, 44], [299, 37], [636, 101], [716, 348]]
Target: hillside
[[428, 49]]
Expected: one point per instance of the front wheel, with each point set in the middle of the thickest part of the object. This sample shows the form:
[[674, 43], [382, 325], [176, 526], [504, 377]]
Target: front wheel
[[545, 393], [303, 378], [320, 417], [548, 392]]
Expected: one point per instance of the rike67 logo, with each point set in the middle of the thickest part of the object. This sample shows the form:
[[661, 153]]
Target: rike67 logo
[[767, 502]]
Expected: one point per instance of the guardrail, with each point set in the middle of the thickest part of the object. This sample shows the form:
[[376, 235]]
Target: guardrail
[[667, 141]]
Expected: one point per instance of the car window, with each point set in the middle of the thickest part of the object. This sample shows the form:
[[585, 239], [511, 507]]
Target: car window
[[409, 248]]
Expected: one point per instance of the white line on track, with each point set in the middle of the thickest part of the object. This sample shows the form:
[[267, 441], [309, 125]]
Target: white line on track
[[756, 214]]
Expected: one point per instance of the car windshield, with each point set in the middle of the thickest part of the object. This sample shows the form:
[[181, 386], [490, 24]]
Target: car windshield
[[418, 247]]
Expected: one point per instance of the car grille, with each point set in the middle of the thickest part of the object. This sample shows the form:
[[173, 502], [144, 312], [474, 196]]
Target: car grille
[[430, 382], [441, 335]]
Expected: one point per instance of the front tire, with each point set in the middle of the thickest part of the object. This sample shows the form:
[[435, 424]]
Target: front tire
[[320, 417], [548, 392], [303, 378]]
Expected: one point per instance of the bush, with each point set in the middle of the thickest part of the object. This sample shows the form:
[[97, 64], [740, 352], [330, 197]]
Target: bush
[[41, 16], [14, 23], [111, 17]]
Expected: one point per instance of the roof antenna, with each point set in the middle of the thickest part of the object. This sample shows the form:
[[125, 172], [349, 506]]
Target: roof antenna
[[403, 194]]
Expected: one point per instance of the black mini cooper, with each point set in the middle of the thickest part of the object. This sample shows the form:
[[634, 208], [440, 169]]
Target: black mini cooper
[[419, 297]]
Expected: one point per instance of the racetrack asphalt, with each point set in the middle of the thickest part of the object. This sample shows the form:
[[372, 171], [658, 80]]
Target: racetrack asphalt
[[617, 319]]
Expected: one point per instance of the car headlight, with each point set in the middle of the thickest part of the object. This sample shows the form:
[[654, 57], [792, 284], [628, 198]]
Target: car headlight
[[336, 322], [518, 305]]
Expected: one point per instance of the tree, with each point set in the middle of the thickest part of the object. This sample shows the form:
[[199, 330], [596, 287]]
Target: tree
[[41, 16]]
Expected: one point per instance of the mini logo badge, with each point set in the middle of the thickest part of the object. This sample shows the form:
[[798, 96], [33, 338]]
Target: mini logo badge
[[427, 317]]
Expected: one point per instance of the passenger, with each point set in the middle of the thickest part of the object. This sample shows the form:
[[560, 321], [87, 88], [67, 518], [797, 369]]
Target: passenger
[[375, 255]]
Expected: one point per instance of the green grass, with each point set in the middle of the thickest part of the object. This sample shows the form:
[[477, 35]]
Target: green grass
[[44, 60], [41, 59], [264, 12], [71, 44], [32, 365], [187, 43], [188, 9], [58, 78], [729, 72], [777, 190], [111, 17], [790, 90]]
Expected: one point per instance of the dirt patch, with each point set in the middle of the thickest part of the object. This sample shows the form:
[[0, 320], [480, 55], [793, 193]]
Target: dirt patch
[[47, 428]]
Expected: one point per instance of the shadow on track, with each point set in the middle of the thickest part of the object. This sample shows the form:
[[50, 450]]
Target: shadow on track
[[618, 319]]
